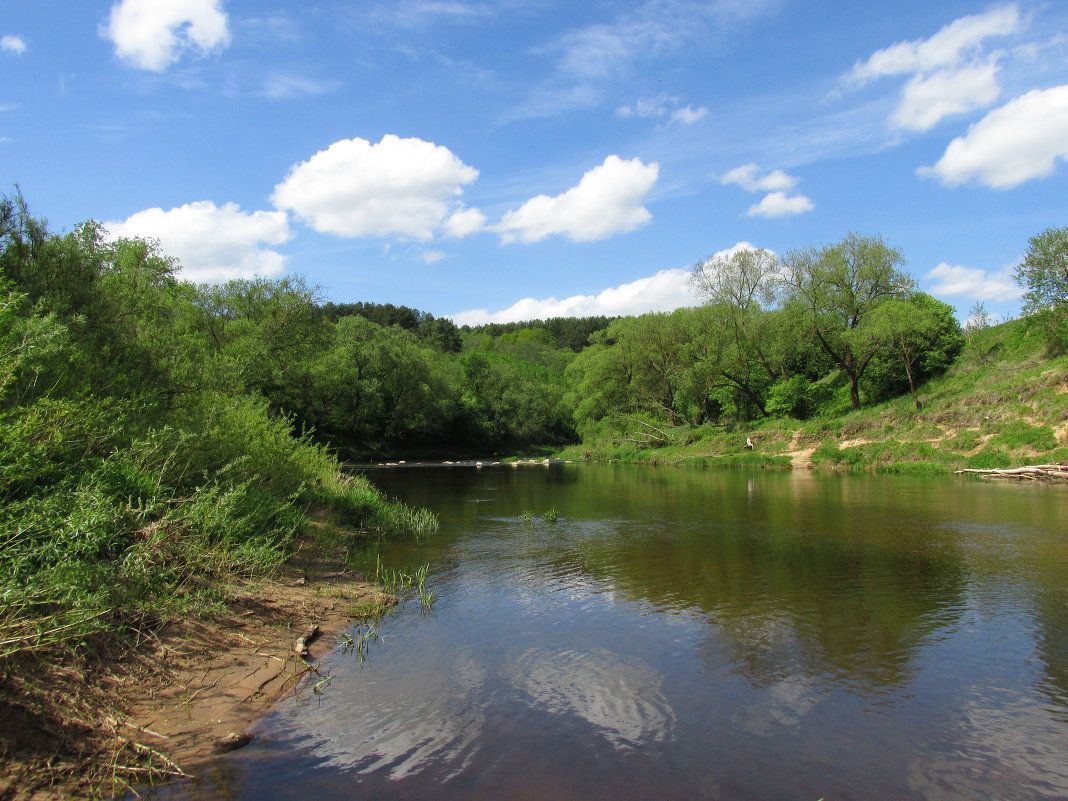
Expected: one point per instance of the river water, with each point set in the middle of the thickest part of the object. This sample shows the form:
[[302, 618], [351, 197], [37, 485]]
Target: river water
[[695, 634]]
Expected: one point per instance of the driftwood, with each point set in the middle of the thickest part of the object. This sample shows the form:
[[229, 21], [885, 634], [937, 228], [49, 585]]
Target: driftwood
[[1037, 472], [300, 647]]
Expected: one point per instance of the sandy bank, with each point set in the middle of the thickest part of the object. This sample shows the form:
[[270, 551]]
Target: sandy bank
[[191, 690]]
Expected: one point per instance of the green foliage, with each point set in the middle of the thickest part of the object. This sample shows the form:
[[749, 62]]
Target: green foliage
[[438, 333], [514, 389], [143, 457], [565, 333], [989, 458], [1044, 275], [836, 289]]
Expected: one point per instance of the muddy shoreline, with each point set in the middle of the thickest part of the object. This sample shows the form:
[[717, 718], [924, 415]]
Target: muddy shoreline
[[193, 688]]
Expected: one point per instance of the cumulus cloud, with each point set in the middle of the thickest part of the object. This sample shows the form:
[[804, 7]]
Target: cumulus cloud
[[926, 99], [950, 72], [666, 291], [405, 187], [463, 222], [974, 283], [213, 243], [13, 44], [1022, 140], [608, 200], [152, 34], [958, 40], [777, 203]]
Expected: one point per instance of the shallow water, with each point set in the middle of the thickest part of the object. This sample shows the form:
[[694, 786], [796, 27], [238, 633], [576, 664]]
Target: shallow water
[[694, 634]]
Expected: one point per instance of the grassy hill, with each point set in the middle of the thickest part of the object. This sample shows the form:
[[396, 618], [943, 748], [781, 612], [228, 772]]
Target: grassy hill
[[1003, 403]]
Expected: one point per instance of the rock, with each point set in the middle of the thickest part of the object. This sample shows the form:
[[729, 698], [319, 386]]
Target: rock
[[231, 742]]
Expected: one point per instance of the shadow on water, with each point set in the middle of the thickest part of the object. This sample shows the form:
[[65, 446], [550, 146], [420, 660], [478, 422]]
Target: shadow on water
[[683, 634]]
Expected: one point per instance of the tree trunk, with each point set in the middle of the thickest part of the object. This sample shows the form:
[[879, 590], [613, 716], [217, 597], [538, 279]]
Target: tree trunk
[[854, 391], [912, 386]]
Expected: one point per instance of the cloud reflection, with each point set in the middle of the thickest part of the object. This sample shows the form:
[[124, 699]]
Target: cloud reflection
[[621, 700]]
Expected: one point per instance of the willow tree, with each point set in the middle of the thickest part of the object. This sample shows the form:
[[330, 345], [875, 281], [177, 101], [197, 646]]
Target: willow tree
[[836, 289]]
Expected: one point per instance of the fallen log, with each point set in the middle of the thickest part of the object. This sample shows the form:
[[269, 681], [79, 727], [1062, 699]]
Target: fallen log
[[1036, 472]]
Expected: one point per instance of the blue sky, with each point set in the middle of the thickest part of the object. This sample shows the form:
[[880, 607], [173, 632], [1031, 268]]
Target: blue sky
[[497, 160]]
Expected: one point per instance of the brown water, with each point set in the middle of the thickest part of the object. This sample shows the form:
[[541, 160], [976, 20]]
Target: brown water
[[689, 634]]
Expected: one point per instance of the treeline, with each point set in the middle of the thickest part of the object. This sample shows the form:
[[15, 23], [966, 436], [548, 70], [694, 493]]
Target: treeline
[[566, 333], [817, 332]]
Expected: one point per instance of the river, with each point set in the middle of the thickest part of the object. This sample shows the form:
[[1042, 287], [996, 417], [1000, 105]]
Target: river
[[695, 634]]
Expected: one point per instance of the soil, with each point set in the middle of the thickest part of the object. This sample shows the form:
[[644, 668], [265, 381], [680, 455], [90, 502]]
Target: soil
[[188, 694]]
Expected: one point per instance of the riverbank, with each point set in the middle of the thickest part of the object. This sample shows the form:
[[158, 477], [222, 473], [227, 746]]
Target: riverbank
[[186, 692], [1004, 403]]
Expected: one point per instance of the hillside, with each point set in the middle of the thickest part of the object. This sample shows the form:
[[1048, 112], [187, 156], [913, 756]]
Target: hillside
[[1003, 402]]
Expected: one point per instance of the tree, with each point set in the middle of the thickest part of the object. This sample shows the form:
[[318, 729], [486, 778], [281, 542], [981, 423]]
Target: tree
[[1044, 275], [743, 336], [919, 334], [836, 288], [745, 280]]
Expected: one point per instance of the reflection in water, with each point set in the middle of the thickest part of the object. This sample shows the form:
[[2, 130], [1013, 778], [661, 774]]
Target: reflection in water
[[699, 635], [440, 729], [621, 701]]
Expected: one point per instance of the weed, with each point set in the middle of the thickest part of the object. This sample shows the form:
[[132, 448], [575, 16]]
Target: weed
[[551, 516]]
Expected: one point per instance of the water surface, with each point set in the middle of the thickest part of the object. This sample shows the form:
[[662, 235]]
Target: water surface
[[692, 634]]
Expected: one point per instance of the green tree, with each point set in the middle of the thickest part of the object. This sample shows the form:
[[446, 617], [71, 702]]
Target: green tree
[[1044, 276], [835, 290], [920, 335]]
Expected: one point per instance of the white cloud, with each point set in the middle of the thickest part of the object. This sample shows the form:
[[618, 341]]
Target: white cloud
[[13, 44], [952, 44], [463, 222], [608, 200], [152, 34], [950, 72], [659, 107], [213, 243], [665, 291], [1018, 142], [926, 99], [421, 13], [406, 187], [688, 115], [431, 256], [973, 283], [645, 107], [746, 177], [779, 204], [593, 56], [284, 87]]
